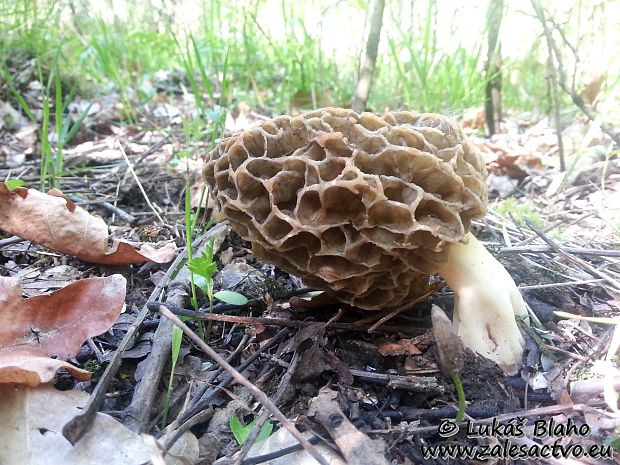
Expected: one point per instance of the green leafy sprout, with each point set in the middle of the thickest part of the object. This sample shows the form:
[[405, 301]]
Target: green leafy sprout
[[14, 183], [241, 431]]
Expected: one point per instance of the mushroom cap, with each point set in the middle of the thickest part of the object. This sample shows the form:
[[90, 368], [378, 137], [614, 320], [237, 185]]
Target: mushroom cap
[[359, 205]]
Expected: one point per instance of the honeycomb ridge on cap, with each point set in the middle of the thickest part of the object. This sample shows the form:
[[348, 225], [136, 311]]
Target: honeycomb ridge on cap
[[359, 205]]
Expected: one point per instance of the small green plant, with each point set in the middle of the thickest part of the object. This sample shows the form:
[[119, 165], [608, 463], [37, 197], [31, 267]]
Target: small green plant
[[177, 339], [519, 211], [241, 431], [14, 183], [51, 169], [92, 365], [613, 440], [202, 270]]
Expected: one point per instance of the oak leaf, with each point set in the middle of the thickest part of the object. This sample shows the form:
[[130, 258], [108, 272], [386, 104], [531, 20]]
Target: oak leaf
[[54, 221], [39, 333]]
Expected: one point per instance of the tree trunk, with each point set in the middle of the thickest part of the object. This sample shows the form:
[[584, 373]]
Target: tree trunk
[[367, 66], [493, 95]]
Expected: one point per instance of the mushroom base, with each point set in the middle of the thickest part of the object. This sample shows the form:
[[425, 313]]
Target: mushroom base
[[486, 302]]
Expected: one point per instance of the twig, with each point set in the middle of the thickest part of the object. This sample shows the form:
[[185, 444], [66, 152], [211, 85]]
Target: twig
[[433, 289], [581, 358], [357, 448], [179, 393], [552, 80], [256, 393], [11, 240], [80, 424], [541, 411], [283, 322], [577, 261], [284, 384], [122, 214], [203, 397], [551, 227], [561, 80], [567, 283], [138, 413], [133, 173], [411, 383], [572, 250], [279, 453]]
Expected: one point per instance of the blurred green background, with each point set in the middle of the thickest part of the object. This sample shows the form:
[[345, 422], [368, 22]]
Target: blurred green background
[[286, 55]]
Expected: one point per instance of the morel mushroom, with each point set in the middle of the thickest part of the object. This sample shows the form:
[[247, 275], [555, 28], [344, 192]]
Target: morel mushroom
[[366, 208]]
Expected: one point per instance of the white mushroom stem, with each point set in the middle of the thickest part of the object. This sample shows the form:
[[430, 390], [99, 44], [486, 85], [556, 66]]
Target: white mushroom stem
[[486, 302]]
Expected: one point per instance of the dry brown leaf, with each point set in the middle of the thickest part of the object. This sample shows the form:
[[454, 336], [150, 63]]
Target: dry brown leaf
[[404, 346], [56, 325], [502, 161], [56, 222], [474, 118], [31, 422]]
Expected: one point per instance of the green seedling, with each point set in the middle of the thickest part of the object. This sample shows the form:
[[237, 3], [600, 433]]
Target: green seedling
[[201, 270], [14, 183], [177, 339], [207, 267], [204, 268], [241, 431]]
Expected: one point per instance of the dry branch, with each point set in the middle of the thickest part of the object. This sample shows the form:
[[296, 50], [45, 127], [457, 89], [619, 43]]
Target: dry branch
[[257, 393]]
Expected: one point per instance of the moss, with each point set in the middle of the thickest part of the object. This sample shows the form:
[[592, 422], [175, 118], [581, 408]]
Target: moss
[[519, 210]]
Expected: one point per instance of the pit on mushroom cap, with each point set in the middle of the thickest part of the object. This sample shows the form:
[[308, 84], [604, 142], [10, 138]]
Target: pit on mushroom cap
[[366, 208]]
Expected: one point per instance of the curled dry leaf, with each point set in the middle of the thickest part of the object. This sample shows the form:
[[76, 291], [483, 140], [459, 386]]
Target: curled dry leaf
[[56, 222], [56, 325], [402, 347]]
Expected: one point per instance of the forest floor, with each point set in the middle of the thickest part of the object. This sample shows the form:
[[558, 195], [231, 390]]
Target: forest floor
[[557, 232]]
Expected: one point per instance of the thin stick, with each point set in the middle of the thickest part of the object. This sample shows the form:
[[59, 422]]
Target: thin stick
[[561, 77], [394, 329], [257, 393], [577, 261], [572, 250], [541, 411], [11, 240], [135, 176], [80, 424], [264, 416], [567, 283]]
